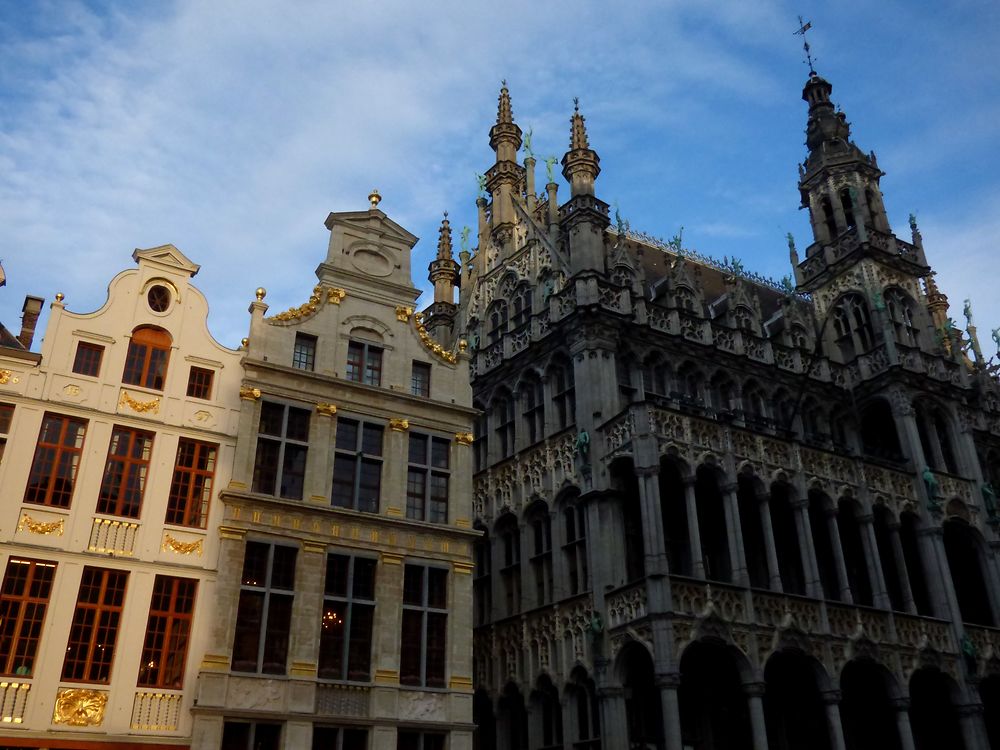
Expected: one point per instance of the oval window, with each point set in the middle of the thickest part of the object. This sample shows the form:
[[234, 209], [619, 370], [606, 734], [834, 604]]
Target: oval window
[[158, 298]]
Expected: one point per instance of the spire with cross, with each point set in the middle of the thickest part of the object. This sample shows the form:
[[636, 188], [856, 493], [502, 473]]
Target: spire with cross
[[804, 26]]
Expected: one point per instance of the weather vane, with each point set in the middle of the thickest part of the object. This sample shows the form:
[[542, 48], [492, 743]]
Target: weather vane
[[804, 26]]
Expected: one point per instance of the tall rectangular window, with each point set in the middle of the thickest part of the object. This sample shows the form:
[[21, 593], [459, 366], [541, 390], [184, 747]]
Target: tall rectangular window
[[541, 558], [427, 479], [575, 549], [304, 353], [24, 598], [6, 417], [264, 616], [90, 650], [125, 472], [339, 738], [420, 379], [345, 637], [408, 740], [147, 357], [282, 445], [357, 466], [57, 459], [200, 383], [364, 363], [88, 359], [168, 630], [425, 626], [250, 735], [191, 486]]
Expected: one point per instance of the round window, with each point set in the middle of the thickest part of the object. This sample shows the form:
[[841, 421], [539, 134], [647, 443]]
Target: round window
[[158, 298]]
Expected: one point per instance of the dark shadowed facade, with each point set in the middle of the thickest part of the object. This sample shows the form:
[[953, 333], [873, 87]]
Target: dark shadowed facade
[[719, 512]]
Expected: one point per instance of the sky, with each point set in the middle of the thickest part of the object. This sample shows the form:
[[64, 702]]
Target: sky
[[231, 129]]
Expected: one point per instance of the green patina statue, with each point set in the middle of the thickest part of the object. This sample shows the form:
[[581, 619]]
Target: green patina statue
[[990, 500], [931, 484], [466, 231], [582, 445], [481, 181], [527, 145]]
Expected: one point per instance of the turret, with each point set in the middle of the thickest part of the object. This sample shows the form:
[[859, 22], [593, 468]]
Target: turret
[[581, 164], [584, 217], [505, 178], [444, 274]]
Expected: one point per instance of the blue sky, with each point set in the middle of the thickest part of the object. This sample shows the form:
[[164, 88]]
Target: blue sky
[[231, 129]]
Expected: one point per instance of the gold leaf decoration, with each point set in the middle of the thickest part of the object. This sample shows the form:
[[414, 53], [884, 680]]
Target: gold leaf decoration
[[41, 527], [429, 343], [403, 313], [316, 300], [249, 394], [463, 438], [399, 425], [80, 707], [183, 548], [8, 376], [336, 296], [142, 407], [326, 410]]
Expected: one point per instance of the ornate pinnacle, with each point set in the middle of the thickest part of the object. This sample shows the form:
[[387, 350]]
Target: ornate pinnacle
[[578, 131], [504, 113], [444, 240]]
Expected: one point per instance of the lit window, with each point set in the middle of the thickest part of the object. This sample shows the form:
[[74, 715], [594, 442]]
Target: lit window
[[88, 359], [425, 626], [427, 479], [94, 631], [345, 637], [146, 361], [168, 630], [304, 353], [57, 459], [264, 616], [200, 383], [357, 466], [282, 446], [125, 472], [24, 598]]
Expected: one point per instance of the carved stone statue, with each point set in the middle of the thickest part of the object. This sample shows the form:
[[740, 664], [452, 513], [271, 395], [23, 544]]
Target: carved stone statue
[[550, 162], [990, 500], [481, 180], [582, 445], [596, 630], [967, 311], [527, 145], [548, 288], [474, 342], [931, 483]]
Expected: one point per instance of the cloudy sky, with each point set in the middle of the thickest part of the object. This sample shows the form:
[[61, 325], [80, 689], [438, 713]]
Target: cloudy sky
[[231, 129]]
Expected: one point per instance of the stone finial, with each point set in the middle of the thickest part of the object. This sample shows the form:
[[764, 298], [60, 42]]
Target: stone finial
[[374, 198], [505, 115], [444, 239], [578, 131], [260, 293]]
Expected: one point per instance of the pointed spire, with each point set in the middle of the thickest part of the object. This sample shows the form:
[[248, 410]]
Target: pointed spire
[[444, 239], [581, 165], [505, 136], [504, 114], [578, 131]]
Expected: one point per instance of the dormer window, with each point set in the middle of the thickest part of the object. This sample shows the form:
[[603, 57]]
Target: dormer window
[[147, 358]]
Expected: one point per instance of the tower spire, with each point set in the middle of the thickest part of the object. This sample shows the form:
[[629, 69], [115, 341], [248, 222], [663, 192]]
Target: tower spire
[[581, 164], [505, 136], [504, 114], [444, 239]]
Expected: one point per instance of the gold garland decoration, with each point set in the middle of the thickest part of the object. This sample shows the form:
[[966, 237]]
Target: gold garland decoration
[[8, 376], [308, 308], [183, 548], [142, 407], [430, 344], [41, 527]]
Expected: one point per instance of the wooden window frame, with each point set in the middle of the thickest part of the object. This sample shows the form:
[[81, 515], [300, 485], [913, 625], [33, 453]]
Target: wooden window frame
[[191, 486], [349, 601], [423, 501], [425, 615], [286, 450], [24, 601], [272, 640], [420, 379], [364, 363], [123, 483], [88, 359], [201, 380], [357, 458], [304, 351], [53, 459], [168, 633], [148, 358], [95, 626]]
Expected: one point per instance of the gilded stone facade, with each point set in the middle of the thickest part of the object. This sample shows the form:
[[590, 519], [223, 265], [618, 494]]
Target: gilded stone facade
[[98, 523], [720, 511], [350, 457]]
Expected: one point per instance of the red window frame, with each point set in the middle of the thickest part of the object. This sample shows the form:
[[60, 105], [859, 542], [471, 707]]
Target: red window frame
[[124, 481], [24, 598], [147, 358], [90, 648], [56, 461], [168, 632], [87, 360], [192, 483]]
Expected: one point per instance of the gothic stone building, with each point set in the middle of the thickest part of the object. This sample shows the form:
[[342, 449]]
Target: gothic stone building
[[113, 442], [345, 585], [719, 513]]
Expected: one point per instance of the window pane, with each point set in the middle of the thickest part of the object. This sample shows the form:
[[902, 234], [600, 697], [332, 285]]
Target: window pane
[[364, 578], [373, 366], [409, 657], [415, 493], [304, 353], [359, 658], [420, 379], [355, 358], [418, 449], [88, 359], [255, 564], [200, 383], [369, 486], [249, 618], [279, 619], [331, 640], [437, 624], [271, 418], [371, 440], [437, 588], [337, 567], [293, 471], [283, 571], [298, 424], [343, 482], [347, 434]]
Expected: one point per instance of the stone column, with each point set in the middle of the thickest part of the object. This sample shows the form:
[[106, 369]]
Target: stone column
[[876, 576], [734, 530], [843, 582], [668, 685], [319, 472], [694, 532], [904, 575], [806, 549], [902, 708], [653, 543], [771, 552], [755, 700], [831, 702], [614, 722], [970, 719], [246, 443]]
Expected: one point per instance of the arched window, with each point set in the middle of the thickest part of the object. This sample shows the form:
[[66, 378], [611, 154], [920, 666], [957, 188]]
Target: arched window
[[541, 552], [498, 320], [482, 593], [847, 203], [852, 326], [625, 481], [522, 306], [549, 712], [878, 431], [783, 408], [689, 380], [900, 308], [828, 218], [934, 430], [147, 358], [563, 393], [656, 377], [754, 403], [583, 694], [533, 405], [624, 367]]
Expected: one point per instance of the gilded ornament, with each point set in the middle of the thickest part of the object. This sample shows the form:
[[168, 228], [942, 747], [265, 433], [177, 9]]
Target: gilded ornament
[[41, 527], [374, 198], [260, 293], [464, 438], [80, 707], [399, 425], [336, 296], [429, 343], [60, 296], [249, 394], [463, 345], [403, 313], [152, 406], [326, 410], [8, 376], [183, 548], [244, 342]]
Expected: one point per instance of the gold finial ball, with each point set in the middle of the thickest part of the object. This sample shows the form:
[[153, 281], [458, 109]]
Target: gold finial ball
[[244, 342], [60, 297], [374, 198], [261, 293], [462, 345]]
